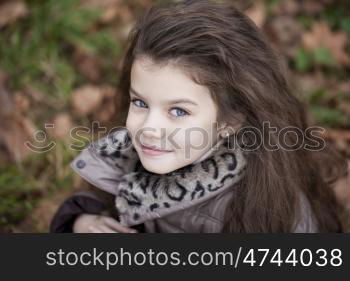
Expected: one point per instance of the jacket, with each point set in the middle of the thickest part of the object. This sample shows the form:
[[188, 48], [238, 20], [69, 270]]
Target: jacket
[[203, 217]]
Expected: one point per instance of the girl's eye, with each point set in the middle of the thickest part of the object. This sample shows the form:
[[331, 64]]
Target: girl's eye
[[179, 112], [141, 104]]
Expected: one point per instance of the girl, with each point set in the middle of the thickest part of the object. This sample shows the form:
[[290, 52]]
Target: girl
[[201, 84]]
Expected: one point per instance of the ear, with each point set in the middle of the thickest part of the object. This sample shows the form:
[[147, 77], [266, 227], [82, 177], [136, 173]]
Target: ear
[[229, 128]]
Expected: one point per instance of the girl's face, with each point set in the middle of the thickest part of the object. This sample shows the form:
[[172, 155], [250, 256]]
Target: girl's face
[[169, 112]]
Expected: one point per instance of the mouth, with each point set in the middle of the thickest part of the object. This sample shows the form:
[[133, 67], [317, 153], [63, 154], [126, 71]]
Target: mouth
[[153, 151]]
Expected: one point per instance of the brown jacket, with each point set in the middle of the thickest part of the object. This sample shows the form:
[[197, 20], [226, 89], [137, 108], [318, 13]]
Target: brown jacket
[[204, 217]]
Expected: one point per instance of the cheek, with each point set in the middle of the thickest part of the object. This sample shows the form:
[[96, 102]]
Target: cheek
[[202, 132], [209, 128], [133, 123], [194, 139]]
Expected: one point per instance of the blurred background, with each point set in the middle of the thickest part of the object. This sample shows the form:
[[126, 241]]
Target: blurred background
[[60, 62]]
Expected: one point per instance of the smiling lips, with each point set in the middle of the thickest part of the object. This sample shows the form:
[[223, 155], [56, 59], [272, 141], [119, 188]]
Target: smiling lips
[[151, 151]]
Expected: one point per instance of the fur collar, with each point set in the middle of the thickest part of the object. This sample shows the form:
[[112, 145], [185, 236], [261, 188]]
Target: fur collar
[[142, 195]]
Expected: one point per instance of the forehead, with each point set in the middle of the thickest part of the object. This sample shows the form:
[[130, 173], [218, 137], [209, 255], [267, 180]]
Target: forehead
[[166, 82]]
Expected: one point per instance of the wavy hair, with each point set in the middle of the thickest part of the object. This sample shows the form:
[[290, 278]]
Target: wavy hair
[[221, 48]]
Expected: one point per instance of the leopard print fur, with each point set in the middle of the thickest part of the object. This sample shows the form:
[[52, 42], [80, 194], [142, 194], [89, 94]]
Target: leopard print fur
[[143, 195]]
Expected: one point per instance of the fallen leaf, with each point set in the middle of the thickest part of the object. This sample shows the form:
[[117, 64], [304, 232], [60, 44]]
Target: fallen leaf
[[10, 11], [288, 33], [62, 125], [314, 7], [343, 87], [321, 36], [86, 99], [345, 107], [15, 128], [107, 109], [111, 9], [287, 7], [88, 65], [145, 3], [124, 30], [342, 192], [308, 83], [21, 102], [257, 13], [14, 133], [341, 139]]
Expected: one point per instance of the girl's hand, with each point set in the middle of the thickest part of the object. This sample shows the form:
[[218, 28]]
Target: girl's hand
[[89, 223]]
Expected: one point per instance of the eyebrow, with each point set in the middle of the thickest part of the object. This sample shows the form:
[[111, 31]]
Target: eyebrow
[[170, 102]]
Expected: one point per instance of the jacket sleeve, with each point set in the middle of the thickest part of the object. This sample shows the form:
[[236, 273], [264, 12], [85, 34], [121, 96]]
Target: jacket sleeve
[[91, 201]]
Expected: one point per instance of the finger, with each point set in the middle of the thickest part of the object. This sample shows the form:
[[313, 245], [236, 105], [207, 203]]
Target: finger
[[106, 229], [117, 226], [94, 229]]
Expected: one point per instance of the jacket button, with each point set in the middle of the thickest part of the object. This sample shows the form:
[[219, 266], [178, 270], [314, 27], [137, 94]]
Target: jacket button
[[81, 164]]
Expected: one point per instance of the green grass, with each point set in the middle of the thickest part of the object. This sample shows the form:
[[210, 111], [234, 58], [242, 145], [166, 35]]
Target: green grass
[[330, 117], [306, 60], [37, 50], [37, 53], [319, 102], [39, 176]]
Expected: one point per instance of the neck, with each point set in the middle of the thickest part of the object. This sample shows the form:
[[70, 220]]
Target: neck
[[209, 152]]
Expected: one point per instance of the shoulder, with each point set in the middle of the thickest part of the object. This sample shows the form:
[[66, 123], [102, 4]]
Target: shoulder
[[216, 206], [104, 161], [209, 215], [307, 223]]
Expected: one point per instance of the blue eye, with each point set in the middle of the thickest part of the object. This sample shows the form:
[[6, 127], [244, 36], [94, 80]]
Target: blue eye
[[180, 112], [135, 100]]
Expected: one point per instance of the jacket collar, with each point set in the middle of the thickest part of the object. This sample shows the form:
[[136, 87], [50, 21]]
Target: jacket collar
[[112, 164]]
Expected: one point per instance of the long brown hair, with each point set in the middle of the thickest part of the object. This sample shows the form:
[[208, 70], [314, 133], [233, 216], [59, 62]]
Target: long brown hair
[[222, 49]]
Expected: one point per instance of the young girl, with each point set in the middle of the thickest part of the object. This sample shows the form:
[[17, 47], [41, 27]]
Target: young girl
[[201, 84]]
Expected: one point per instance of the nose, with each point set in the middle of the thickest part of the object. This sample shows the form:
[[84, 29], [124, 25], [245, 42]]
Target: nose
[[153, 128]]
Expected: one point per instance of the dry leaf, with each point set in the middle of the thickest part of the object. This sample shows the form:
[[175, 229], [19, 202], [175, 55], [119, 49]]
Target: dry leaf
[[21, 102], [145, 3], [88, 65], [15, 129], [342, 189], [308, 83], [107, 109], [345, 107], [288, 32], [341, 139], [108, 91], [343, 87], [10, 11], [86, 99], [62, 125], [321, 36], [287, 7], [123, 31], [105, 113], [313, 7], [14, 133], [111, 9], [257, 13]]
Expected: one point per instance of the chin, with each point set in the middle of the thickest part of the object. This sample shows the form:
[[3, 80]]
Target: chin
[[156, 166], [157, 170]]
